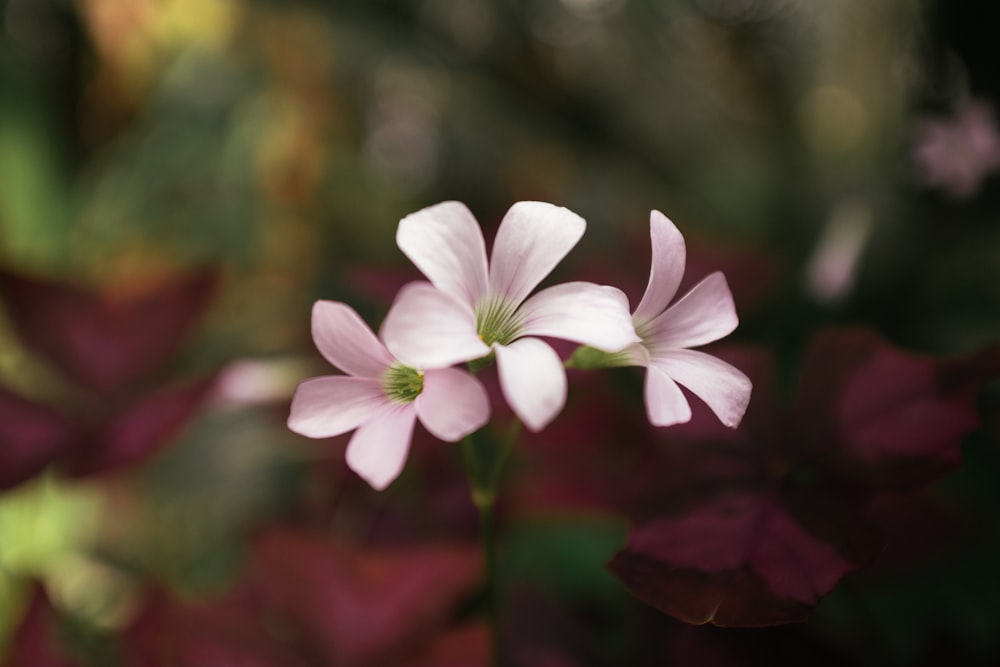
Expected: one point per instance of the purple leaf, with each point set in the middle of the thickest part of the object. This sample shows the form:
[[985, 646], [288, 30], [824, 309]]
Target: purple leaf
[[754, 528], [887, 417], [362, 606], [35, 643], [140, 429], [467, 646], [227, 632], [741, 559], [105, 342], [31, 437]]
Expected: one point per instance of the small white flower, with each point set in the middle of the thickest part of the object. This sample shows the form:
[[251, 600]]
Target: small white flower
[[703, 315], [380, 397], [473, 308]]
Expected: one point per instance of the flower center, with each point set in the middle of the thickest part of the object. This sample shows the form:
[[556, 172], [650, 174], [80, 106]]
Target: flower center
[[496, 322], [402, 383], [644, 330]]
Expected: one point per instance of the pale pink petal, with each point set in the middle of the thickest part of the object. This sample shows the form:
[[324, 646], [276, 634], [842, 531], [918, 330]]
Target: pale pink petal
[[724, 388], [347, 341], [533, 237], [427, 328], [533, 381], [595, 315], [378, 449], [666, 404], [703, 315], [333, 404], [453, 404], [666, 268], [637, 354], [445, 242]]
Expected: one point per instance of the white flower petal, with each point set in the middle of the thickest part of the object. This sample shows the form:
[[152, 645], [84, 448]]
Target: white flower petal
[[637, 354], [347, 341], [445, 242], [533, 381], [452, 404], [594, 315], [666, 268], [427, 328], [377, 451], [724, 388], [533, 237], [666, 404], [333, 404], [703, 315]]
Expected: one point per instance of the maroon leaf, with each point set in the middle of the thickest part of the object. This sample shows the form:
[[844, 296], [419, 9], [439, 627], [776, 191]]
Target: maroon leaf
[[755, 529], [31, 437], [742, 559], [220, 633], [467, 646], [887, 416], [140, 429], [105, 342], [35, 643], [362, 607], [310, 601]]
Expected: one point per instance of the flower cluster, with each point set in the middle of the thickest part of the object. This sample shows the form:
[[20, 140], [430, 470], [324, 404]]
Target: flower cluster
[[476, 309]]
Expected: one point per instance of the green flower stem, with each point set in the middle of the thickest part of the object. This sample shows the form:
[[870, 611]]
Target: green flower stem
[[588, 358], [484, 461]]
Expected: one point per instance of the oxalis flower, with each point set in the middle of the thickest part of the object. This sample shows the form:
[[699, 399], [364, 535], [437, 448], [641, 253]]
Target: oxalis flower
[[703, 315], [472, 309], [380, 397]]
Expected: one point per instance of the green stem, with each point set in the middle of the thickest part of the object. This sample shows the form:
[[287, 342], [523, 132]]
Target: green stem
[[484, 460]]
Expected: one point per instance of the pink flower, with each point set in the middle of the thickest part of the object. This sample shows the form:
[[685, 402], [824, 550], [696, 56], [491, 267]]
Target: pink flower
[[380, 397], [474, 308], [703, 315]]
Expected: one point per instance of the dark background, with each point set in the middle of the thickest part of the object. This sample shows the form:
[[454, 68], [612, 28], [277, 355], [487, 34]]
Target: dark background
[[838, 160]]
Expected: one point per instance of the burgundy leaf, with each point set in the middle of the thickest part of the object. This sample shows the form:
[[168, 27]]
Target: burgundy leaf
[[140, 429], [753, 528], [220, 633], [740, 560], [360, 607], [467, 646], [102, 341], [887, 416], [31, 437], [35, 643]]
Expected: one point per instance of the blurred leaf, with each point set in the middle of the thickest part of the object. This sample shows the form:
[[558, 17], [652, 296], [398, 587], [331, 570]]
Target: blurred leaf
[[739, 560], [136, 432], [361, 605], [44, 522], [753, 527], [466, 646], [34, 216], [36, 642], [106, 343], [889, 418], [31, 437], [218, 632]]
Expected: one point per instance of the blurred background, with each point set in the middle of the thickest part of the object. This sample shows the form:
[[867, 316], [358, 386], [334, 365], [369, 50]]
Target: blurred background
[[237, 160]]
